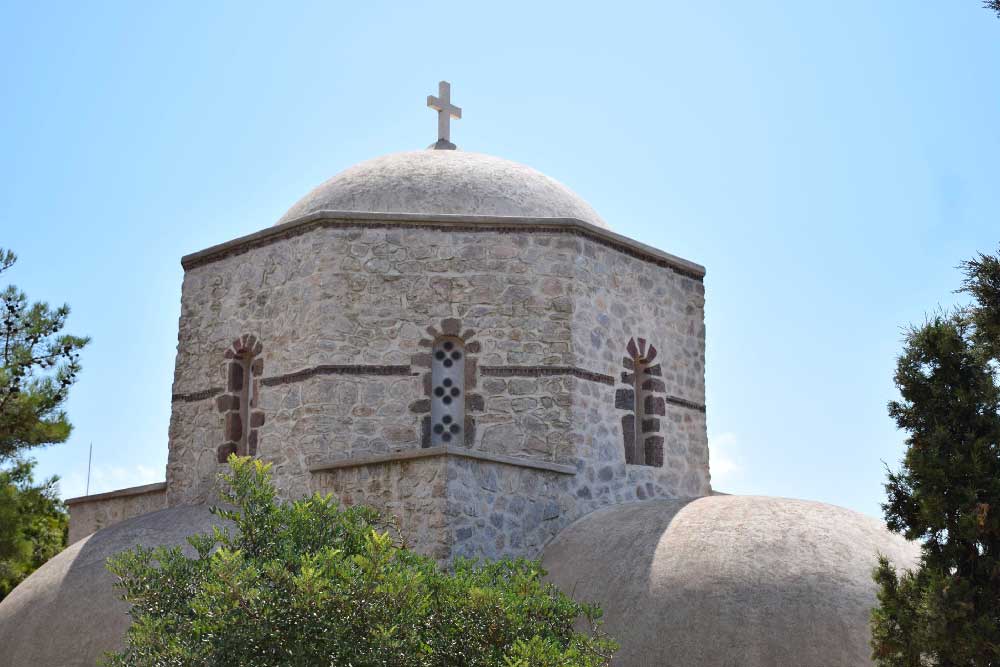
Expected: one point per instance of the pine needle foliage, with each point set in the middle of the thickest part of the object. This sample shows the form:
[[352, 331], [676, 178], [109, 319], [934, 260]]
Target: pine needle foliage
[[312, 583], [946, 612], [38, 365]]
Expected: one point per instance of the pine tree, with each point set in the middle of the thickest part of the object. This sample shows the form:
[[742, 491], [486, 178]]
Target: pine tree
[[947, 492], [38, 365]]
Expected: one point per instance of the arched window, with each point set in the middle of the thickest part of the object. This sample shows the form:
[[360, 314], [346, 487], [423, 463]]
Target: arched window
[[448, 391], [449, 403], [645, 403], [238, 404]]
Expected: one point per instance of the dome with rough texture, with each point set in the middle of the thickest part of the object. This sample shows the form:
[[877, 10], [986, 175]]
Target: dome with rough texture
[[729, 580], [68, 613], [445, 182]]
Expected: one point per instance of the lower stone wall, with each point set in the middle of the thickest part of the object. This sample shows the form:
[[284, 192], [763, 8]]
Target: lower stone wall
[[411, 491], [89, 514]]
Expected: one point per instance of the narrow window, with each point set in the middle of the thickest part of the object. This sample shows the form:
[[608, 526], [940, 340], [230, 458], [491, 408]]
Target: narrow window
[[639, 451], [238, 404], [448, 391], [645, 404], [246, 399]]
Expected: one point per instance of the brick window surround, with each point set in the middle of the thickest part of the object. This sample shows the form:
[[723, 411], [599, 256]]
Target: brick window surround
[[644, 402], [451, 374], [238, 404]]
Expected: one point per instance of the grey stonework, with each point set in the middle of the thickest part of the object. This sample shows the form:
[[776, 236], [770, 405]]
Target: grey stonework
[[91, 513], [345, 314]]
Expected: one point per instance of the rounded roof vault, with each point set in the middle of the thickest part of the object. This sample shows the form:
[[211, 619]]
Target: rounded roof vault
[[439, 182], [68, 612], [729, 580]]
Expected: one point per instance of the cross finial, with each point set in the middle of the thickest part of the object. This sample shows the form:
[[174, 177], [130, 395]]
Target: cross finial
[[446, 111]]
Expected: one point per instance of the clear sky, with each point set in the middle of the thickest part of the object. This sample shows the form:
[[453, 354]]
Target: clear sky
[[829, 162]]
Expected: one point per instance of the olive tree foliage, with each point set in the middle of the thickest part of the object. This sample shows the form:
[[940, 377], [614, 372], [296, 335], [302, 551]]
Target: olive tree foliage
[[946, 612], [994, 5], [38, 365], [312, 583]]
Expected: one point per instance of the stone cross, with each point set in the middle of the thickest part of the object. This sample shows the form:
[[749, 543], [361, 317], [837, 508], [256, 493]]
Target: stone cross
[[446, 111]]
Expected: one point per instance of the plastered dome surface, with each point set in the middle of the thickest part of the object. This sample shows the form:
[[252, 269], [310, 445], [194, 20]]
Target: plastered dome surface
[[67, 613], [445, 182], [722, 581]]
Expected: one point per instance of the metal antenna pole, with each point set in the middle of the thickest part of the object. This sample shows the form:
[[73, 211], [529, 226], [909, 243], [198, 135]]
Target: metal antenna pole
[[90, 457]]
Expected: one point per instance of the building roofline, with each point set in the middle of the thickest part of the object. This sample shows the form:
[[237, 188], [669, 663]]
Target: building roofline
[[449, 222], [119, 493]]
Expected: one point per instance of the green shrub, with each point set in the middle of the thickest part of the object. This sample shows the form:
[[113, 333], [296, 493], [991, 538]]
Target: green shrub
[[311, 583]]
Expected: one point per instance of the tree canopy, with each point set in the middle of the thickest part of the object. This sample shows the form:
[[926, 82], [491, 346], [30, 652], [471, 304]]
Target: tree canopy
[[313, 583], [947, 491], [33, 524], [37, 367]]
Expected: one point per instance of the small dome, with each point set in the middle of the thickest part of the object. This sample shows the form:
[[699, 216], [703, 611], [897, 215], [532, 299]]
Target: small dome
[[729, 580], [445, 182], [68, 613]]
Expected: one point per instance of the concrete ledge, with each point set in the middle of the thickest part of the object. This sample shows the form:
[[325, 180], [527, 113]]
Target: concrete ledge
[[447, 222], [433, 452], [119, 493]]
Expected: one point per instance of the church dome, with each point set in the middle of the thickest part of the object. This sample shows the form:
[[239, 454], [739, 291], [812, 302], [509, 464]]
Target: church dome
[[68, 613], [445, 182], [729, 580]]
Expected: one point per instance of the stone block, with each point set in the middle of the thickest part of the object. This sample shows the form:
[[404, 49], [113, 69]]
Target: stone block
[[654, 451], [227, 402], [225, 450], [654, 385], [625, 399], [655, 405], [475, 403], [234, 427], [234, 380], [470, 431]]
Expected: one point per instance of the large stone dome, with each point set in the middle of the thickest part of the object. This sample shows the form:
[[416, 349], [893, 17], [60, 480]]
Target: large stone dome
[[445, 182], [729, 580], [68, 613]]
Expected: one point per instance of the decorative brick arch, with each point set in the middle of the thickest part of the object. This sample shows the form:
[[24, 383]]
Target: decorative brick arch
[[239, 403], [645, 404], [449, 348]]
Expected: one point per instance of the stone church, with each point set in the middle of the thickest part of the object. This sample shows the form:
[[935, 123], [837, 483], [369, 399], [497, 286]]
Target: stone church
[[465, 343]]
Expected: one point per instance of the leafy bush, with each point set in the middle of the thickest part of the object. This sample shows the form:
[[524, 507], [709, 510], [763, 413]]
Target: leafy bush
[[311, 583], [33, 522]]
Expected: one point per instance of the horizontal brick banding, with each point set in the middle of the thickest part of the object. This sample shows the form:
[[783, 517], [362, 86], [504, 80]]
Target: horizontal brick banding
[[196, 395], [684, 403], [445, 223], [334, 369], [543, 371]]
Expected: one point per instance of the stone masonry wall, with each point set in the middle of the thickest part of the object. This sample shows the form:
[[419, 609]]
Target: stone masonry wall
[[343, 313], [89, 514]]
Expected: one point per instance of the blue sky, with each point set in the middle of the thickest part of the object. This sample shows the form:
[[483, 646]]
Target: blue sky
[[830, 163]]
